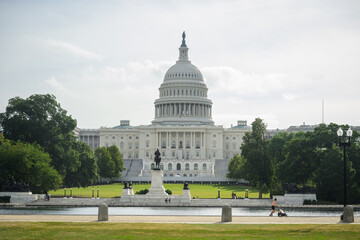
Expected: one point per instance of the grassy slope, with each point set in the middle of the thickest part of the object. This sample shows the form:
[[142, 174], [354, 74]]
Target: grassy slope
[[203, 191], [48, 230]]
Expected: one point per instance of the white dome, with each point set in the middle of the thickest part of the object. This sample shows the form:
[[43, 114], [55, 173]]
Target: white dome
[[183, 70]]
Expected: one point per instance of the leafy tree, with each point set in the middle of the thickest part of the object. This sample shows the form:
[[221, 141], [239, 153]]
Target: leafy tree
[[116, 157], [40, 119], [87, 173], [27, 163], [257, 165], [235, 167], [299, 163], [105, 164]]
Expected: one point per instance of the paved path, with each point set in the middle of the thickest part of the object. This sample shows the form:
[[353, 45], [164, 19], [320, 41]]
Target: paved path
[[174, 219]]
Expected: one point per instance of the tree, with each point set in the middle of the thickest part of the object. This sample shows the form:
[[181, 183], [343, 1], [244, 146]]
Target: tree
[[29, 164], [87, 173], [235, 167], [300, 161], [40, 119], [116, 157], [257, 164], [105, 163]]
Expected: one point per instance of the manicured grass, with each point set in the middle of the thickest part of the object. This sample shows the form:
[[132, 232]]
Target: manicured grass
[[196, 190], [98, 230]]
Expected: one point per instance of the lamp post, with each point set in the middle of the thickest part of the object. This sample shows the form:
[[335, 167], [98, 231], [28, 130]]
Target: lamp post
[[344, 142]]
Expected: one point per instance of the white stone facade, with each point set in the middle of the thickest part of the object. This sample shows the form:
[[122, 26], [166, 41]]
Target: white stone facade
[[183, 130]]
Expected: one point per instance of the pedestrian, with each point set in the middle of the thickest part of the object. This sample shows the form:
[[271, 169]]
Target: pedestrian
[[166, 200], [273, 206]]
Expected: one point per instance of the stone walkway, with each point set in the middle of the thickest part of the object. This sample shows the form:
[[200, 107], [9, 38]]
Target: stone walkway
[[174, 219]]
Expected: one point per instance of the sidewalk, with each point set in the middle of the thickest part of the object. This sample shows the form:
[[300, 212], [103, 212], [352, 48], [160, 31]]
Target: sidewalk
[[174, 219]]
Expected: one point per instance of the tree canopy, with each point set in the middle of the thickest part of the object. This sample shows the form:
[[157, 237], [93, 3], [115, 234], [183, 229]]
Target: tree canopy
[[28, 164], [109, 161], [39, 119], [254, 164]]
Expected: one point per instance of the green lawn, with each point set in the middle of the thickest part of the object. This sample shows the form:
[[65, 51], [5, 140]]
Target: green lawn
[[196, 190], [98, 230]]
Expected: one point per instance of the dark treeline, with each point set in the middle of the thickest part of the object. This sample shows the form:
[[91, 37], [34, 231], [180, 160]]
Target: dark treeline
[[313, 159]]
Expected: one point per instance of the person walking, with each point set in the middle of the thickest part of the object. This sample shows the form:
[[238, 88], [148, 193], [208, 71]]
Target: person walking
[[273, 206]]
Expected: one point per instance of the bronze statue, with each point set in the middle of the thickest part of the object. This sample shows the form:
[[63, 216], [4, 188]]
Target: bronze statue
[[157, 159]]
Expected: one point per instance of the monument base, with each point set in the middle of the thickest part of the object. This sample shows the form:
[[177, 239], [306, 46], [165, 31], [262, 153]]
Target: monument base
[[157, 189]]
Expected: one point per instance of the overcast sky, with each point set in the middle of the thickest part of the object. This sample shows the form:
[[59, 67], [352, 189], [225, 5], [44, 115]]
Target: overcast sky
[[105, 60]]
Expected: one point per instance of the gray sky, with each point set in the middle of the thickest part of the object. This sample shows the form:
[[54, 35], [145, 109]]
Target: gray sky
[[105, 60]]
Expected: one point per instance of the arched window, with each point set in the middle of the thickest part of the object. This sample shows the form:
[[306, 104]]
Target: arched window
[[187, 166], [161, 166], [196, 166], [178, 166], [185, 175], [165, 175], [171, 175], [152, 165], [169, 166], [204, 166]]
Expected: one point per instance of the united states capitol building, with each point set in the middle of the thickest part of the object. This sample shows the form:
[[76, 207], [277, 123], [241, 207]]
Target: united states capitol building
[[191, 145]]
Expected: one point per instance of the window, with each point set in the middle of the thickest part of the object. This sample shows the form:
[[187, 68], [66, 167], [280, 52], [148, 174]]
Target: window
[[169, 166], [130, 145], [197, 154], [204, 166], [214, 144], [113, 137], [196, 166], [137, 137], [136, 145], [129, 155], [214, 154], [147, 154], [173, 154], [173, 144], [197, 144], [234, 146], [152, 165], [130, 137], [178, 167], [137, 156], [214, 135], [163, 154], [147, 135], [121, 145], [227, 146], [147, 143], [187, 144], [163, 145], [187, 166], [161, 166]]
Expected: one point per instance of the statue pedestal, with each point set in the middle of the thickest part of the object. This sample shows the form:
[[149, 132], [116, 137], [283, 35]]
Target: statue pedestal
[[157, 189]]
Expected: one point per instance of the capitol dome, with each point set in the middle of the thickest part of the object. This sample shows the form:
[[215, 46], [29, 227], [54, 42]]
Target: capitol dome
[[183, 94]]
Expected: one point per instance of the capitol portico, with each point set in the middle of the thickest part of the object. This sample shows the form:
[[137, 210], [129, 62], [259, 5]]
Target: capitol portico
[[182, 129]]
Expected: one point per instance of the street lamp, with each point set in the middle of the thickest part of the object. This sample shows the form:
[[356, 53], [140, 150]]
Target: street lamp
[[344, 142]]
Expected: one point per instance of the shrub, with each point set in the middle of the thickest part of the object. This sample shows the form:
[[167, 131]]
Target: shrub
[[144, 191], [168, 191], [5, 199]]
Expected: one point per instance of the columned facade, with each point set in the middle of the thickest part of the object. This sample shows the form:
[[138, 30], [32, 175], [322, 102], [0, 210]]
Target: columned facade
[[183, 130]]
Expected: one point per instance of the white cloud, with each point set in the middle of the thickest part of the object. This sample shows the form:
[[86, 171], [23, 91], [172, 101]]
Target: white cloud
[[74, 50]]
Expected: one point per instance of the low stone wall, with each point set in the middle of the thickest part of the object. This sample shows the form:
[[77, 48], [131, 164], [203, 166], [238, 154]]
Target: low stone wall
[[20, 197], [295, 199]]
